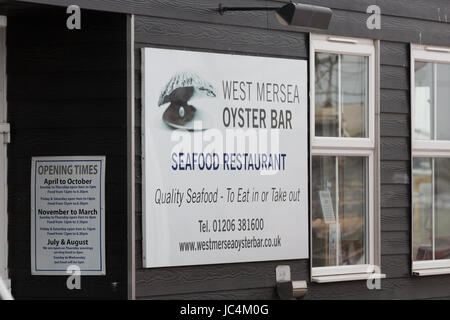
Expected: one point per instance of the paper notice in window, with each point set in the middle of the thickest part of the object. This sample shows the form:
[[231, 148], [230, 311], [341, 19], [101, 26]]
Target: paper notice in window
[[327, 206]]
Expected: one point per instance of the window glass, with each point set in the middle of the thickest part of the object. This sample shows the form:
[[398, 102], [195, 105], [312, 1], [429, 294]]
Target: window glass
[[341, 95], [422, 209], [354, 96], [423, 111], [443, 101], [339, 211], [327, 95], [352, 209], [431, 208], [432, 101], [323, 211], [442, 208]]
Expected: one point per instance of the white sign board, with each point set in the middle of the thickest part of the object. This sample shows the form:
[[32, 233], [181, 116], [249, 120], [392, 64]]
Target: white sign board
[[225, 174], [68, 215]]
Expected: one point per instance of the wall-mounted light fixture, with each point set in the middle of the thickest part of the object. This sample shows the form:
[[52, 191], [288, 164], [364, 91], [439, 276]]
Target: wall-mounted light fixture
[[293, 14]]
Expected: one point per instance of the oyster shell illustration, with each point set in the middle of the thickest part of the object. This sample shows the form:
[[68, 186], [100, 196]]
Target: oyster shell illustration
[[180, 89]]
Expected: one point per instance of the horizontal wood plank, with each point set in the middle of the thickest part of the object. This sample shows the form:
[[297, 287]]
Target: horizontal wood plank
[[394, 101], [396, 266], [394, 54], [395, 243], [44, 57], [184, 34], [106, 113], [50, 142], [394, 77], [394, 148], [245, 294], [395, 172], [396, 288], [25, 286], [60, 86], [395, 196], [395, 219], [390, 289], [166, 281], [395, 125]]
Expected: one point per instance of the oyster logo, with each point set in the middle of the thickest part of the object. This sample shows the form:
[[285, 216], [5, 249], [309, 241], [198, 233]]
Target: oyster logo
[[179, 92]]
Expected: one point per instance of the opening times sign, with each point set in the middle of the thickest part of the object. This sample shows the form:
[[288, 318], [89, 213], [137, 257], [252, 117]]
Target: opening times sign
[[225, 158], [67, 215]]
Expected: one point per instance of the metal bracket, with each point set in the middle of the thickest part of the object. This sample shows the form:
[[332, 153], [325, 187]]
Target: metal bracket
[[286, 288], [6, 131]]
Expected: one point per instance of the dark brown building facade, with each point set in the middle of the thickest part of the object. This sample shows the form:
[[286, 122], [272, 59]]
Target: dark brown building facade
[[78, 92]]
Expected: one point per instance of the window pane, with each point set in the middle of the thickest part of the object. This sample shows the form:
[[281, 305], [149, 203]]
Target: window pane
[[326, 95], [442, 208], [423, 111], [352, 210], [354, 76], [422, 209], [341, 94], [339, 236], [443, 101], [324, 235], [432, 101]]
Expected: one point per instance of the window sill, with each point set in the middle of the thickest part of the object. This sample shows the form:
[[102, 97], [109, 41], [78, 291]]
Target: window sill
[[348, 277], [431, 272]]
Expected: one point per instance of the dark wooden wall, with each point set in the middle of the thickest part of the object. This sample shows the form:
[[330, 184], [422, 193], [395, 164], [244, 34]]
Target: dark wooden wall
[[193, 25], [66, 96]]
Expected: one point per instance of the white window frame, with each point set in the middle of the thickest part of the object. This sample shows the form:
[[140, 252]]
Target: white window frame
[[347, 146], [426, 149], [4, 133]]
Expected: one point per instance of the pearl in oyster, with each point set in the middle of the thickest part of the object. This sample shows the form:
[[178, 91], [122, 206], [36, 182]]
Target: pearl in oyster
[[181, 112]]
